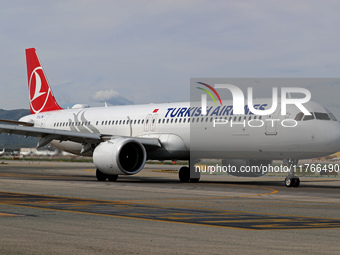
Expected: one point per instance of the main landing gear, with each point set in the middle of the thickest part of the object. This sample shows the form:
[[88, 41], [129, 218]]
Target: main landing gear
[[186, 174], [291, 180], [102, 177]]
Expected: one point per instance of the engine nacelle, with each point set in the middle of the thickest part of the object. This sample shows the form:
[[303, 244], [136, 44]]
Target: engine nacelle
[[119, 156], [247, 168]]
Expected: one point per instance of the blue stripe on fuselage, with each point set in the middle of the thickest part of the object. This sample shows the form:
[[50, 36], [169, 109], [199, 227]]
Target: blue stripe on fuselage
[[211, 111]]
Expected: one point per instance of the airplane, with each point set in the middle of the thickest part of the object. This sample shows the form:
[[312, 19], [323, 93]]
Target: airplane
[[121, 138], [2, 152]]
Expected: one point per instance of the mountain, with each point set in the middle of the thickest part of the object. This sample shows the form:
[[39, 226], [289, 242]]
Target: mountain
[[15, 142]]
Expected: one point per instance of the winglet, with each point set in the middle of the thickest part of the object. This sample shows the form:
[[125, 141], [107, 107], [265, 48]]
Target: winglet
[[40, 93]]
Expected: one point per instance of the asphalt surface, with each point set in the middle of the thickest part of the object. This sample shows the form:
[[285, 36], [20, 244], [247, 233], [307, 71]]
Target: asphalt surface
[[60, 208]]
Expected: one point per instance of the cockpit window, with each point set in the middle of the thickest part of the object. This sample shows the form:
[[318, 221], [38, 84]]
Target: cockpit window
[[315, 115], [322, 116], [299, 116], [308, 117], [331, 115]]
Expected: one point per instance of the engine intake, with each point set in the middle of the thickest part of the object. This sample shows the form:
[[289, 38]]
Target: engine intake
[[120, 156]]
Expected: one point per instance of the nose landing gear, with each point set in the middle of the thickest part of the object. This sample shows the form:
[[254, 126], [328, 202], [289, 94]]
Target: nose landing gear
[[187, 174], [291, 180]]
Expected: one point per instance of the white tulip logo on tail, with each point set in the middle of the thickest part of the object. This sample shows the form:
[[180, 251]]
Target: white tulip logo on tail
[[39, 91]]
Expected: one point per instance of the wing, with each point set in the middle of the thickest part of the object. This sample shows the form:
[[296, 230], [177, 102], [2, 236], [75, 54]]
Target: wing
[[29, 124], [46, 135]]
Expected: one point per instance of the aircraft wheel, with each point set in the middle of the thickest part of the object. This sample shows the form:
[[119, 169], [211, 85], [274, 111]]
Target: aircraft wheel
[[184, 174], [296, 182], [101, 176], [292, 182], [196, 178], [112, 178], [289, 181]]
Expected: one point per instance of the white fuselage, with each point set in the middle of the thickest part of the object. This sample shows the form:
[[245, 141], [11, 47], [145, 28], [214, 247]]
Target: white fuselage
[[182, 129]]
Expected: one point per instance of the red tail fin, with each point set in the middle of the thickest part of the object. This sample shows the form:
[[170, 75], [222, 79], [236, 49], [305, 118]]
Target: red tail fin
[[41, 97]]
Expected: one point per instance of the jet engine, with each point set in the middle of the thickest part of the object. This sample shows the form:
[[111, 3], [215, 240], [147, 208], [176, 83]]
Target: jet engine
[[119, 156], [247, 168]]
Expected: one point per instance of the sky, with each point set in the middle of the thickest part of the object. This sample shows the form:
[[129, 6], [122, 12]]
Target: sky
[[136, 52]]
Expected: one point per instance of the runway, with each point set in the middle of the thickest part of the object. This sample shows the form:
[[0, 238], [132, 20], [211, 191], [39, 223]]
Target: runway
[[58, 208]]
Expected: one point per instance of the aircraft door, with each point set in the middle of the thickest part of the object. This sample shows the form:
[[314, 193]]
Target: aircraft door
[[147, 122], [271, 122], [43, 119], [150, 122], [153, 122]]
